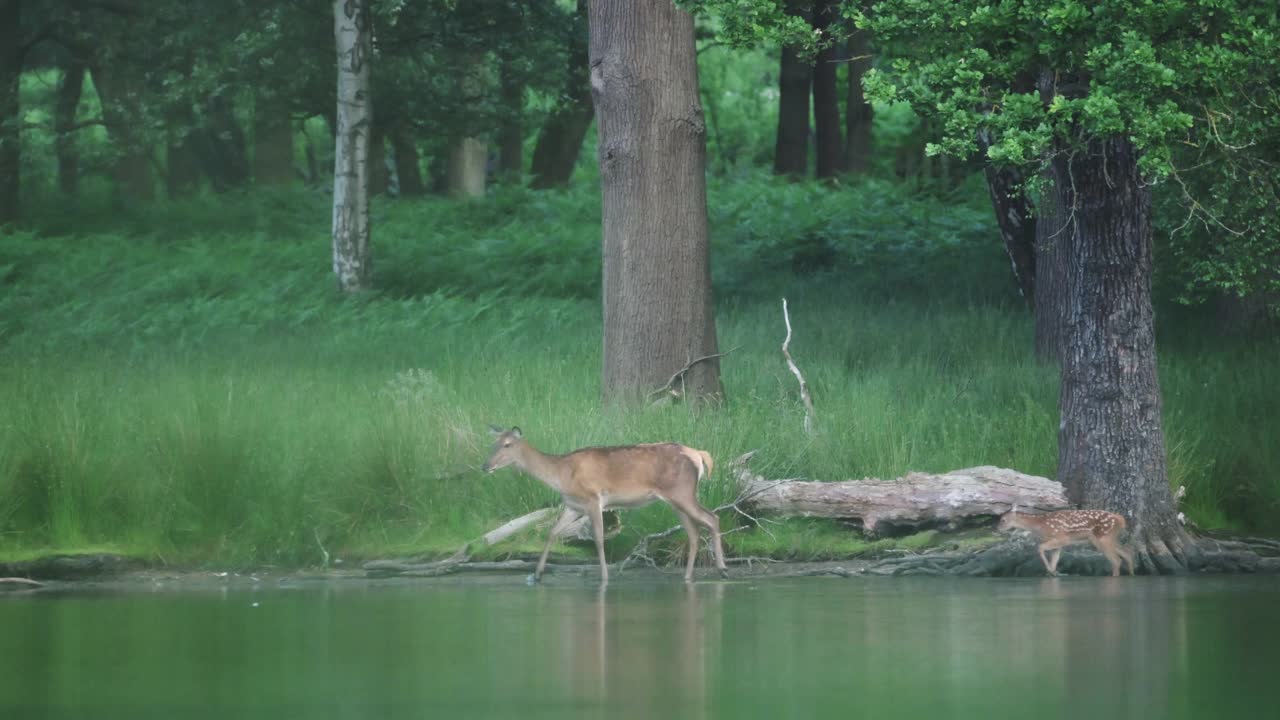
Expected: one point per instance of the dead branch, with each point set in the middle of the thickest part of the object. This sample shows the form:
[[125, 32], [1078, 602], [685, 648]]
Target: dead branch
[[810, 419], [20, 581], [670, 387]]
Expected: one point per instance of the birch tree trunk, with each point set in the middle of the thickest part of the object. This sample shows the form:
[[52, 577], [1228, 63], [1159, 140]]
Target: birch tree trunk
[[351, 260], [658, 309]]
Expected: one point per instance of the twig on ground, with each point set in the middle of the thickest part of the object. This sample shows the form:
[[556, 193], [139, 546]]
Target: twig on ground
[[810, 418], [670, 387], [20, 581]]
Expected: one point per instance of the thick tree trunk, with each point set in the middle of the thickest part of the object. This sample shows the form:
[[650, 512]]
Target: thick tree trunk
[[352, 263], [467, 158], [511, 130], [70, 87], [1111, 452], [560, 141], [658, 309], [791, 149], [1054, 239], [1016, 219], [272, 144], [828, 145], [10, 109], [858, 112], [119, 93], [408, 165]]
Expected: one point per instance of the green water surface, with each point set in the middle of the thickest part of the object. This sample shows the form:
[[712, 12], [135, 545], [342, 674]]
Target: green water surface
[[651, 648]]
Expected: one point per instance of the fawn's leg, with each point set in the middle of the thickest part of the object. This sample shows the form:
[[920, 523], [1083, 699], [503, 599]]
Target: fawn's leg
[[596, 510], [565, 518]]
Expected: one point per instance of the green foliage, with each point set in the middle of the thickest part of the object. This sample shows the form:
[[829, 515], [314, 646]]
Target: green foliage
[[203, 393]]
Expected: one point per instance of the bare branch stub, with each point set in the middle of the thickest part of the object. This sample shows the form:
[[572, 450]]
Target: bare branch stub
[[810, 418], [670, 387]]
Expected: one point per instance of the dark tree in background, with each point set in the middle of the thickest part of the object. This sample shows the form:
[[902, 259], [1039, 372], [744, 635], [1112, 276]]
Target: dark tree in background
[[658, 309], [11, 50], [859, 114], [352, 262], [795, 77], [828, 145], [560, 139]]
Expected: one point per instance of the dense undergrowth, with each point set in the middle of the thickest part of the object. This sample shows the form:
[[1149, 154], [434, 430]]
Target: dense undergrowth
[[183, 381]]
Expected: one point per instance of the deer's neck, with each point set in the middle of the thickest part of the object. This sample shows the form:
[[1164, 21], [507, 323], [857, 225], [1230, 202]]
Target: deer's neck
[[549, 469]]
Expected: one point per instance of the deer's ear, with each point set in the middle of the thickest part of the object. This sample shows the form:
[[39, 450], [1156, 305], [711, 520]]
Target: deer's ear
[[515, 432], [495, 430]]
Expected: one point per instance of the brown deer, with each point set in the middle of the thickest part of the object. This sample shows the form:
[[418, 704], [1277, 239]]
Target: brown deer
[[1058, 529], [595, 479]]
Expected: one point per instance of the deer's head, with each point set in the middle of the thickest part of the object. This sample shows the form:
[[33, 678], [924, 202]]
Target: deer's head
[[1009, 521], [507, 445]]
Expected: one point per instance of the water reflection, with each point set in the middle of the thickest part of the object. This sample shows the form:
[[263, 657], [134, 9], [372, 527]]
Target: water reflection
[[1048, 648]]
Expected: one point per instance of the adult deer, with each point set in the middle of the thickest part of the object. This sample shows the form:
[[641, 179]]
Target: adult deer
[[595, 479], [1067, 527]]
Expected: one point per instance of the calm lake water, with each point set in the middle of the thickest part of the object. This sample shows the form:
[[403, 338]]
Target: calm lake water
[[652, 648]]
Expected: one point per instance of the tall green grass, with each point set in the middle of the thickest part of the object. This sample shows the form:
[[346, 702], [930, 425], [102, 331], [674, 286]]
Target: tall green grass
[[183, 381]]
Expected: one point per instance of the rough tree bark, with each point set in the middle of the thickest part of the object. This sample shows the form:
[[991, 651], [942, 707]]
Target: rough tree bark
[[560, 140], [658, 309], [408, 165], [858, 112], [352, 263], [10, 109], [1054, 240], [379, 175], [272, 143], [70, 87], [1111, 453], [828, 145], [1016, 219], [791, 149], [182, 171]]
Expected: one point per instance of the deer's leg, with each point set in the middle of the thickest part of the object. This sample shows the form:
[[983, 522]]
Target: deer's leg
[[1127, 554], [565, 518], [596, 510], [690, 529], [1054, 545], [686, 503]]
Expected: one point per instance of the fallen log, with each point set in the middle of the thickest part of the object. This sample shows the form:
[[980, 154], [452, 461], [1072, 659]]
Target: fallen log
[[913, 502]]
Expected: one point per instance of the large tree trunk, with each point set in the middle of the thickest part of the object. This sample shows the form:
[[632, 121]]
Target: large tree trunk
[[119, 92], [10, 109], [1054, 239], [352, 263], [560, 141], [467, 158], [70, 87], [1110, 445], [408, 165], [1016, 219], [511, 130], [828, 146], [791, 149], [858, 112], [272, 143], [658, 309]]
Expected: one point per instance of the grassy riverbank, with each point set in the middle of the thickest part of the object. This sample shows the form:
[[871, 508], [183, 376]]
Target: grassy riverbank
[[183, 382]]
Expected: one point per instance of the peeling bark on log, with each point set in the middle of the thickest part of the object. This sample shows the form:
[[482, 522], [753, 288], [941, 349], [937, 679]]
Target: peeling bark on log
[[916, 501]]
